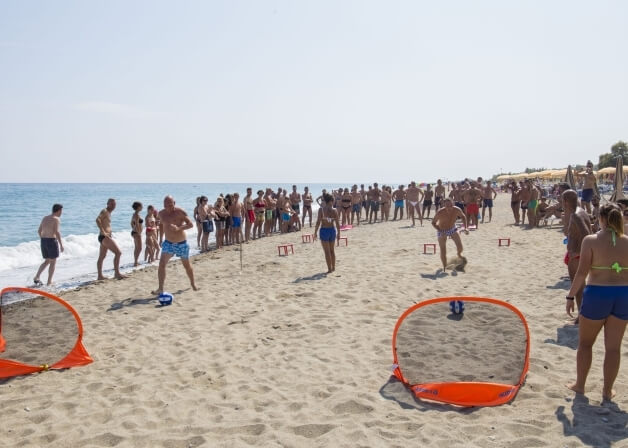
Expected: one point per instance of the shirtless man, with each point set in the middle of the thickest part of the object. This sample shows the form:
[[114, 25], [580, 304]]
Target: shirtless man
[[524, 196], [295, 200], [197, 220], [385, 201], [589, 189], [235, 210], [271, 205], [103, 221], [206, 215], [445, 224], [307, 206], [515, 200], [356, 205], [51, 243], [488, 195], [427, 201], [174, 222], [399, 196], [414, 196], [439, 191], [250, 213], [579, 227], [375, 196], [364, 202], [471, 197], [456, 195], [533, 203]]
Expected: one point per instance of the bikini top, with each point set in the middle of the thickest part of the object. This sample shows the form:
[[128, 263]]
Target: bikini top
[[615, 266], [329, 219]]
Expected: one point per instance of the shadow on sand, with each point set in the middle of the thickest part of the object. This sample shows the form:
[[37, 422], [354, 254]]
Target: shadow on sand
[[319, 276], [599, 426]]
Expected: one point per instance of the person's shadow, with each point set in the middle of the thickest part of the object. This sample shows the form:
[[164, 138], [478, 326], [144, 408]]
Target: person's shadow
[[598, 426], [319, 276], [567, 336]]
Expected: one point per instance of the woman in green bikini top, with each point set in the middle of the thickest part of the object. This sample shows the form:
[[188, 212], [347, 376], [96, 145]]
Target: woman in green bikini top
[[604, 259]]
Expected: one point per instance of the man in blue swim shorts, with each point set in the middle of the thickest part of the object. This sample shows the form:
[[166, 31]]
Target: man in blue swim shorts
[[173, 224], [235, 210], [589, 189]]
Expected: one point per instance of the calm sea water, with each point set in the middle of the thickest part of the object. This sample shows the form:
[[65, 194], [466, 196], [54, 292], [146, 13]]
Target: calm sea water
[[23, 205]]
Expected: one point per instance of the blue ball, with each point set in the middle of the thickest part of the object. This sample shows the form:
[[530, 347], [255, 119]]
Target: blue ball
[[165, 298], [456, 306]]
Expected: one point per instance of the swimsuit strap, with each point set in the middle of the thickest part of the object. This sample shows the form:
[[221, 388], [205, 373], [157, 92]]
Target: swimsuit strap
[[614, 267]]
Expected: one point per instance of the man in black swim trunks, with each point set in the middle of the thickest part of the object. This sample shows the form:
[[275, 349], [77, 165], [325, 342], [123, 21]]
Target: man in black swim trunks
[[50, 243], [103, 221]]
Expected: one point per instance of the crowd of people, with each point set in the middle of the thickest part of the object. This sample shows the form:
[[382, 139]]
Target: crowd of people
[[596, 258]]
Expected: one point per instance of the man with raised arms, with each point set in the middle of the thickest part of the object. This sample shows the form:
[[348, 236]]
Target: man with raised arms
[[375, 196], [589, 189], [174, 222], [579, 226], [445, 224], [439, 192], [103, 221], [51, 243], [488, 196], [412, 196], [399, 196], [307, 206], [250, 213]]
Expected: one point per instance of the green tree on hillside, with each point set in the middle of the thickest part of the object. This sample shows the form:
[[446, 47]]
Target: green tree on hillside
[[609, 159]]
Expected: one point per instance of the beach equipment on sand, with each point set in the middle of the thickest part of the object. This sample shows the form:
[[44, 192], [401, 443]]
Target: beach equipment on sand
[[479, 358], [285, 247], [39, 333], [456, 306], [618, 183], [431, 245], [346, 227], [503, 242], [165, 298]]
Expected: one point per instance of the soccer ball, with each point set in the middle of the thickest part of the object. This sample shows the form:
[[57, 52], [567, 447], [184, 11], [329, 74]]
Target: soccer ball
[[456, 306], [165, 298]]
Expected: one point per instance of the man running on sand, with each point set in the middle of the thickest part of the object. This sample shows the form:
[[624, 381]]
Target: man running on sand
[[412, 196], [103, 221], [174, 222], [50, 243], [579, 226], [445, 224]]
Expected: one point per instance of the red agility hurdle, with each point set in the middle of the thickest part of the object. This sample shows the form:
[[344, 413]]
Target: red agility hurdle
[[343, 238], [506, 242], [432, 245], [285, 249], [306, 238]]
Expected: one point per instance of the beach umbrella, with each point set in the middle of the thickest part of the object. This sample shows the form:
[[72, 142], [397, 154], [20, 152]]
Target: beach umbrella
[[619, 180], [569, 178]]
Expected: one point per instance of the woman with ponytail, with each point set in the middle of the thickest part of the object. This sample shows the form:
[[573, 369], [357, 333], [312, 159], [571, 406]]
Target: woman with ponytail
[[604, 266]]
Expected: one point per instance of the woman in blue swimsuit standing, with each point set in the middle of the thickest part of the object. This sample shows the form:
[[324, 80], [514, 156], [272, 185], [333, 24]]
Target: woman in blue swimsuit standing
[[604, 258], [330, 230]]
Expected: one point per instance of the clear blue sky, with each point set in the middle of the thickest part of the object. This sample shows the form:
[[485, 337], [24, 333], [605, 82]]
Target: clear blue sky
[[316, 91]]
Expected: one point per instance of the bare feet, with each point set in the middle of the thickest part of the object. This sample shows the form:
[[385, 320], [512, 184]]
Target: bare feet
[[120, 277], [156, 292], [610, 396], [575, 388], [100, 277], [195, 288]]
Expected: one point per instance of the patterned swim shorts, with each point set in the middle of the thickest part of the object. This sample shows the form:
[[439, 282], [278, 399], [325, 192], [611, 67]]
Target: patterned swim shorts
[[449, 232], [181, 249]]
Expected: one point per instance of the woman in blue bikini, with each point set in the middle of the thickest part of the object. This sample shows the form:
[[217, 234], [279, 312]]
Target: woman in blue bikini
[[604, 258], [330, 230]]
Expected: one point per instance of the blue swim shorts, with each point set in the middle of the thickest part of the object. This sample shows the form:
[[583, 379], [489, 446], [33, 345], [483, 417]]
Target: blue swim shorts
[[399, 203], [237, 221], [488, 203], [357, 208], [328, 234], [285, 216], [180, 249], [587, 194], [599, 302]]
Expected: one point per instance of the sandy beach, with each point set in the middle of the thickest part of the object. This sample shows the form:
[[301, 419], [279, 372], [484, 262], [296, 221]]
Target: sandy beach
[[279, 354]]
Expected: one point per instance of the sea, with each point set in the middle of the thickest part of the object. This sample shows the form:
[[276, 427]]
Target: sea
[[23, 205]]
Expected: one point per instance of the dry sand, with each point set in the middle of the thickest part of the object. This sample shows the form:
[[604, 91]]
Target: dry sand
[[281, 355]]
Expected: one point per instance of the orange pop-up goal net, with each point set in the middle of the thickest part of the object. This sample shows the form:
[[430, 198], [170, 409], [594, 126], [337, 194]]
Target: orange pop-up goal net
[[467, 351], [38, 331]]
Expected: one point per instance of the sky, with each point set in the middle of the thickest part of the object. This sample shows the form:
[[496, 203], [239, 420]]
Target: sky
[[307, 91]]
